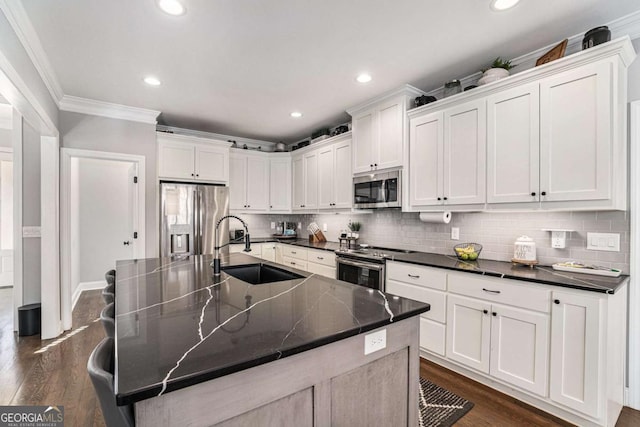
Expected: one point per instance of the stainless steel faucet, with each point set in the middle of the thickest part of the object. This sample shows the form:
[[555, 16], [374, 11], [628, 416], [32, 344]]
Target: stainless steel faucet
[[216, 258]]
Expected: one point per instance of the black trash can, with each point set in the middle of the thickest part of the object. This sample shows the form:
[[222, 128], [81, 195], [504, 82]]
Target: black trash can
[[29, 319]]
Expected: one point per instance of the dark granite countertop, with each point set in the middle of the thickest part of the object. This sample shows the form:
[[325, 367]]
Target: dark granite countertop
[[539, 274], [177, 326]]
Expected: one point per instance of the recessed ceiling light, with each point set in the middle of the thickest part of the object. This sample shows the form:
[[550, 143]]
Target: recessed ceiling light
[[172, 7], [363, 78], [296, 114], [503, 4], [152, 81]]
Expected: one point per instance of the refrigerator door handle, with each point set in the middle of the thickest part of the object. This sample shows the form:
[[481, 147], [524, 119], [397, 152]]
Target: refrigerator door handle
[[196, 226], [200, 209]]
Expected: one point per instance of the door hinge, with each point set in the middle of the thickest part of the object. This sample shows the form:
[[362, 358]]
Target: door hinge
[[135, 234], [135, 179]]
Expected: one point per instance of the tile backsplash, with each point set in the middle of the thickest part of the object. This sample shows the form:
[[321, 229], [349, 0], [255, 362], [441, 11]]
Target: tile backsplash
[[495, 231]]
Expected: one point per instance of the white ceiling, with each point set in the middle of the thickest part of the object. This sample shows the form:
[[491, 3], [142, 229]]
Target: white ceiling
[[240, 67]]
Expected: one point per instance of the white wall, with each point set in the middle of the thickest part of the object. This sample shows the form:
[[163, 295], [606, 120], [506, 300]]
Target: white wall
[[102, 186], [5, 138], [6, 204], [31, 213], [118, 136]]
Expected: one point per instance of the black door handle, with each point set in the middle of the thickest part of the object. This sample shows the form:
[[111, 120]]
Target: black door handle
[[127, 243], [556, 301], [485, 311], [533, 193]]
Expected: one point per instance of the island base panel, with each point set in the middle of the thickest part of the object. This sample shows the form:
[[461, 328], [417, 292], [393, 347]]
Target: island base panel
[[335, 384]]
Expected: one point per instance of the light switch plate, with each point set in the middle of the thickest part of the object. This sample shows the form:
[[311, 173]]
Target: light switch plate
[[31, 231], [375, 341], [609, 242], [273, 225], [455, 233], [324, 227]]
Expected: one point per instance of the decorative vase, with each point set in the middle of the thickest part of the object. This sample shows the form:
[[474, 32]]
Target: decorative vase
[[492, 75]]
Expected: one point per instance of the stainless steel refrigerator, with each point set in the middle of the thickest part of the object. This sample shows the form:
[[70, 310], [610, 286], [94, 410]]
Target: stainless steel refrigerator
[[188, 216]]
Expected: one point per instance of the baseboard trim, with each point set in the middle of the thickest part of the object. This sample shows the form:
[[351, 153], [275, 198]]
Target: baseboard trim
[[86, 286]]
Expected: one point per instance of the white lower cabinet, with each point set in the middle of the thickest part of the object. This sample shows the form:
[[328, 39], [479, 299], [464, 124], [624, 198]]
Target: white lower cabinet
[[468, 332], [575, 349], [427, 285]]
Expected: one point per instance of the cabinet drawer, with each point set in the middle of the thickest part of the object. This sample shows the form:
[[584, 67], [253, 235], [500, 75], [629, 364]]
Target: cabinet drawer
[[501, 290], [437, 299], [322, 270], [417, 275], [432, 336], [295, 263], [322, 257], [294, 252]]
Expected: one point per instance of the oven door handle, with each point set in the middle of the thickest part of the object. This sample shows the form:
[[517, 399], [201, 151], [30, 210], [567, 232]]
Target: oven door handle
[[360, 264]]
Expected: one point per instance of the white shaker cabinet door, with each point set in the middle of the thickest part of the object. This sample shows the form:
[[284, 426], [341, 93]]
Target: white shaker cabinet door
[[211, 163], [237, 182], [311, 180], [257, 183], [575, 349], [520, 347], [513, 145], [389, 148], [298, 183], [176, 160], [465, 148], [576, 134], [364, 140], [280, 185], [326, 177], [342, 176], [468, 332], [426, 157]]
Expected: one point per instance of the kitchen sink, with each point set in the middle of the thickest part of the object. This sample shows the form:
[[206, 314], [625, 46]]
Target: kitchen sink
[[258, 274]]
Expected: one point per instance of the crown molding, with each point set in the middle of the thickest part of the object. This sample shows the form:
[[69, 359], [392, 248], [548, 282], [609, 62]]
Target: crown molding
[[621, 48], [405, 89], [75, 104], [253, 143], [22, 27], [628, 25]]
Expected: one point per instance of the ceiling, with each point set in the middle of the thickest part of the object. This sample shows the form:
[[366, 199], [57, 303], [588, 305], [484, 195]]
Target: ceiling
[[241, 67]]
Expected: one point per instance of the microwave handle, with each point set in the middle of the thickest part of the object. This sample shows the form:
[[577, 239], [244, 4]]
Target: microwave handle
[[360, 264]]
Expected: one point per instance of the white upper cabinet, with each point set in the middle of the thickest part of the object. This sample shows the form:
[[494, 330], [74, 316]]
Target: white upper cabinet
[[334, 176], [553, 138], [576, 134], [280, 184], [465, 153], [447, 156], [193, 159], [305, 181], [379, 131], [249, 182], [513, 145]]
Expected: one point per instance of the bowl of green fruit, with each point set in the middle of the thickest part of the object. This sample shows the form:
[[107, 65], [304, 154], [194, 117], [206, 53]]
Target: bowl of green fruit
[[468, 251]]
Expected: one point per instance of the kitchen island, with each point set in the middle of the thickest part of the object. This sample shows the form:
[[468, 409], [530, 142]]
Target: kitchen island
[[195, 350]]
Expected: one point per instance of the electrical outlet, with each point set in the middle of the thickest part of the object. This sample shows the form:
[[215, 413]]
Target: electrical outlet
[[455, 233], [273, 225], [375, 341], [324, 227]]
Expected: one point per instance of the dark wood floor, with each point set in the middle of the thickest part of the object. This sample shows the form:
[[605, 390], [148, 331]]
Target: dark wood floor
[[493, 408], [58, 376]]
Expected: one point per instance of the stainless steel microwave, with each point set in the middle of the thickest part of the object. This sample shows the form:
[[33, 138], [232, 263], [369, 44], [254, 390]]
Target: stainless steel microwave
[[378, 190]]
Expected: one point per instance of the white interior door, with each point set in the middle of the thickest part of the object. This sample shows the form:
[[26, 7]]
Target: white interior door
[[6, 219], [107, 216]]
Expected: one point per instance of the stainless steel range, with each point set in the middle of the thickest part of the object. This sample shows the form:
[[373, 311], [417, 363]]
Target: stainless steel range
[[365, 266]]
